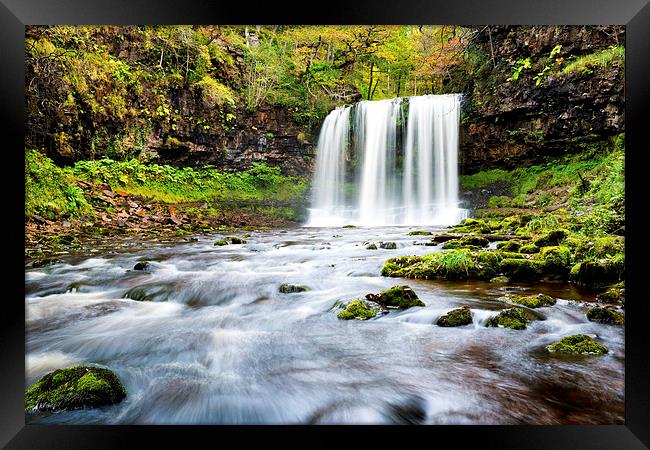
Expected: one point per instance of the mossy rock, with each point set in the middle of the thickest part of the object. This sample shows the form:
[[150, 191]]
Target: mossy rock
[[607, 316], [358, 309], [551, 238], [398, 297], [388, 245], [73, 388], [142, 265], [287, 288], [419, 233], [614, 294], [557, 261], [509, 246], [487, 264], [521, 269], [532, 301], [371, 247], [500, 279], [246, 235], [450, 264], [349, 226], [467, 241], [578, 344], [515, 318], [598, 273], [529, 249], [235, 240], [456, 318], [221, 242]]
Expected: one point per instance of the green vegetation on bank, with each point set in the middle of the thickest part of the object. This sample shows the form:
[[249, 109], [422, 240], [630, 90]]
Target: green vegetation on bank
[[590, 183], [51, 191], [570, 228]]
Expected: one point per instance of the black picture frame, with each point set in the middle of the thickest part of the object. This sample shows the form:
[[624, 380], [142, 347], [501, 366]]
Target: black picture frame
[[635, 14]]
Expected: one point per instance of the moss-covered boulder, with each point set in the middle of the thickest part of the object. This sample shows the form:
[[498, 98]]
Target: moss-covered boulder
[[600, 272], [470, 241], [614, 294], [388, 245], [357, 309], [608, 316], [73, 388], [578, 344], [500, 280], [401, 297], [515, 318], [221, 242], [557, 261], [456, 317], [552, 238], [287, 288], [509, 246], [450, 264], [532, 301], [529, 249], [372, 246], [521, 269], [419, 233], [349, 226], [235, 240]]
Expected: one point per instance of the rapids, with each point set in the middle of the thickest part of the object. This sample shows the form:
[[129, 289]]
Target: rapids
[[218, 344]]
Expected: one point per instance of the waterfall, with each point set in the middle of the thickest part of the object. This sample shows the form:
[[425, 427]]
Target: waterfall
[[329, 181], [389, 169]]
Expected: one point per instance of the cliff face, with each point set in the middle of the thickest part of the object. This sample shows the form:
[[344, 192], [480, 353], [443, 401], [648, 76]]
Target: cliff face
[[569, 89], [178, 99]]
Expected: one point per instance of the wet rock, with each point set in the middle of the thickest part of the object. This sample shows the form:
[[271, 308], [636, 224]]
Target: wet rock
[[607, 316], [578, 344], [142, 265], [349, 226], [515, 318], [359, 310], [287, 288], [371, 247], [532, 301], [456, 317], [401, 297], [221, 242], [388, 245], [73, 388]]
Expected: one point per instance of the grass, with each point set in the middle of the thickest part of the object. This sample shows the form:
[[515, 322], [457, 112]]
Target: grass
[[167, 184], [603, 58]]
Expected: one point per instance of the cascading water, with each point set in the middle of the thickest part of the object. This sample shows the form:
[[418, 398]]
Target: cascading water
[[403, 175]]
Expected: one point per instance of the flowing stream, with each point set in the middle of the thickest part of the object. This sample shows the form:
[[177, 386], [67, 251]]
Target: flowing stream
[[217, 343]]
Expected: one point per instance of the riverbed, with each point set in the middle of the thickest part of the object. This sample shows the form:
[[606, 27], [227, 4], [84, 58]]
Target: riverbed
[[211, 340]]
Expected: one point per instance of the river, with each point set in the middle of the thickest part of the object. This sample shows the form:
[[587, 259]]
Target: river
[[217, 343]]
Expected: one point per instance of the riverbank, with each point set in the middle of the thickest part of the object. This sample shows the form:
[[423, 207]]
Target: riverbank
[[67, 209]]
